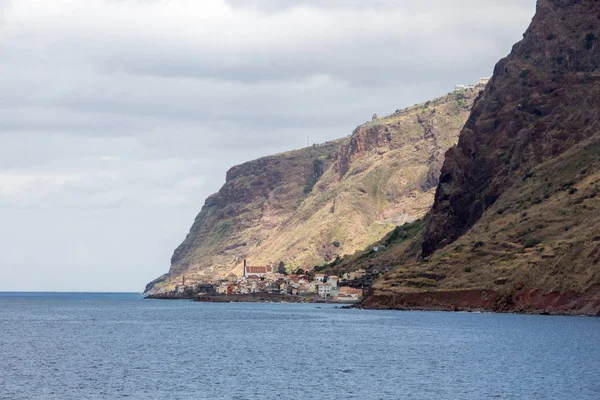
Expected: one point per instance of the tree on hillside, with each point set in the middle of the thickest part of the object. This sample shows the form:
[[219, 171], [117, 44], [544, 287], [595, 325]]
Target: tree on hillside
[[281, 269]]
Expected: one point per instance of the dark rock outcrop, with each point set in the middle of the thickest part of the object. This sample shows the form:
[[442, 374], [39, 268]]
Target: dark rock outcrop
[[542, 100], [526, 302]]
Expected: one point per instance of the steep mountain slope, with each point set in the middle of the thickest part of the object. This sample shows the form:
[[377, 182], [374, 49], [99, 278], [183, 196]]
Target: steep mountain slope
[[257, 196], [307, 206], [516, 220]]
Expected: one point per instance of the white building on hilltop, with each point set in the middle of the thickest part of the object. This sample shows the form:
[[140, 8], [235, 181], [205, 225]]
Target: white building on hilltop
[[480, 85]]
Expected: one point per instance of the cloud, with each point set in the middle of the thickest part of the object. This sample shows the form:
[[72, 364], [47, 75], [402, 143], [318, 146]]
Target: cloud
[[118, 118], [215, 40], [203, 62]]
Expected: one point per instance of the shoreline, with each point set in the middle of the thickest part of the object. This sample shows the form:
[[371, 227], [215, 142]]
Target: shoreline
[[247, 298]]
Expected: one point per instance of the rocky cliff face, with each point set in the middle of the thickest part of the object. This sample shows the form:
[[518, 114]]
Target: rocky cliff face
[[515, 225], [307, 206], [542, 100]]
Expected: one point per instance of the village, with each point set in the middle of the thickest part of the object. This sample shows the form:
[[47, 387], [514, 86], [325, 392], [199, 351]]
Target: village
[[268, 283]]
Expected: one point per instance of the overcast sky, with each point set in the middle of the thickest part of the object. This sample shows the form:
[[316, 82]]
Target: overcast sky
[[119, 117]]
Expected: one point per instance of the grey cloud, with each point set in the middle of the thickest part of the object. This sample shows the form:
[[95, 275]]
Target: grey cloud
[[413, 5]]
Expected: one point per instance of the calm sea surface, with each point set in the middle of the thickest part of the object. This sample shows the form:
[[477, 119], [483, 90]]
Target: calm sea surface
[[110, 346]]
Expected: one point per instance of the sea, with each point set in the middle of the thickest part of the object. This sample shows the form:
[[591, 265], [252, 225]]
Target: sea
[[121, 346]]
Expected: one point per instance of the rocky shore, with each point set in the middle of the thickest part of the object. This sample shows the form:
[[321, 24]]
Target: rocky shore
[[520, 302]]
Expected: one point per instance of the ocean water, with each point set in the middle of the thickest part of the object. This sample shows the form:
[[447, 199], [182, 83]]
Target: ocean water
[[112, 346]]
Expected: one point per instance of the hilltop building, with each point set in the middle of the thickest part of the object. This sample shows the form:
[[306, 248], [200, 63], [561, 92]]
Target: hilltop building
[[481, 84]]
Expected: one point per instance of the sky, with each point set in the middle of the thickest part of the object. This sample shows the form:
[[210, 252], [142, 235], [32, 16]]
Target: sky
[[119, 117]]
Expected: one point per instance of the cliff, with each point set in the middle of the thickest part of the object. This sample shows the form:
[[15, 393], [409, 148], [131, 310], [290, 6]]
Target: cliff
[[515, 225], [308, 206]]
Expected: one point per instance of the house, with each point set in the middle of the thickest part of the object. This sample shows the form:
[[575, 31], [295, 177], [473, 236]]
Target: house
[[333, 280], [326, 291], [320, 277], [243, 288], [221, 289], [252, 283], [356, 274], [272, 287], [180, 288], [225, 287], [303, 289], [312, 287], [274, 277], [297, 289], [282, 286], [349, 293]]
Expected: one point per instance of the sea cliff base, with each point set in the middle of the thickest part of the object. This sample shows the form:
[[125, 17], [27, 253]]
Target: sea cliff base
[[524, 302]]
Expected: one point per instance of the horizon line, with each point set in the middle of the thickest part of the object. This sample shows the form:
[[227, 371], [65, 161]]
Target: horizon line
[[65, 292]]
